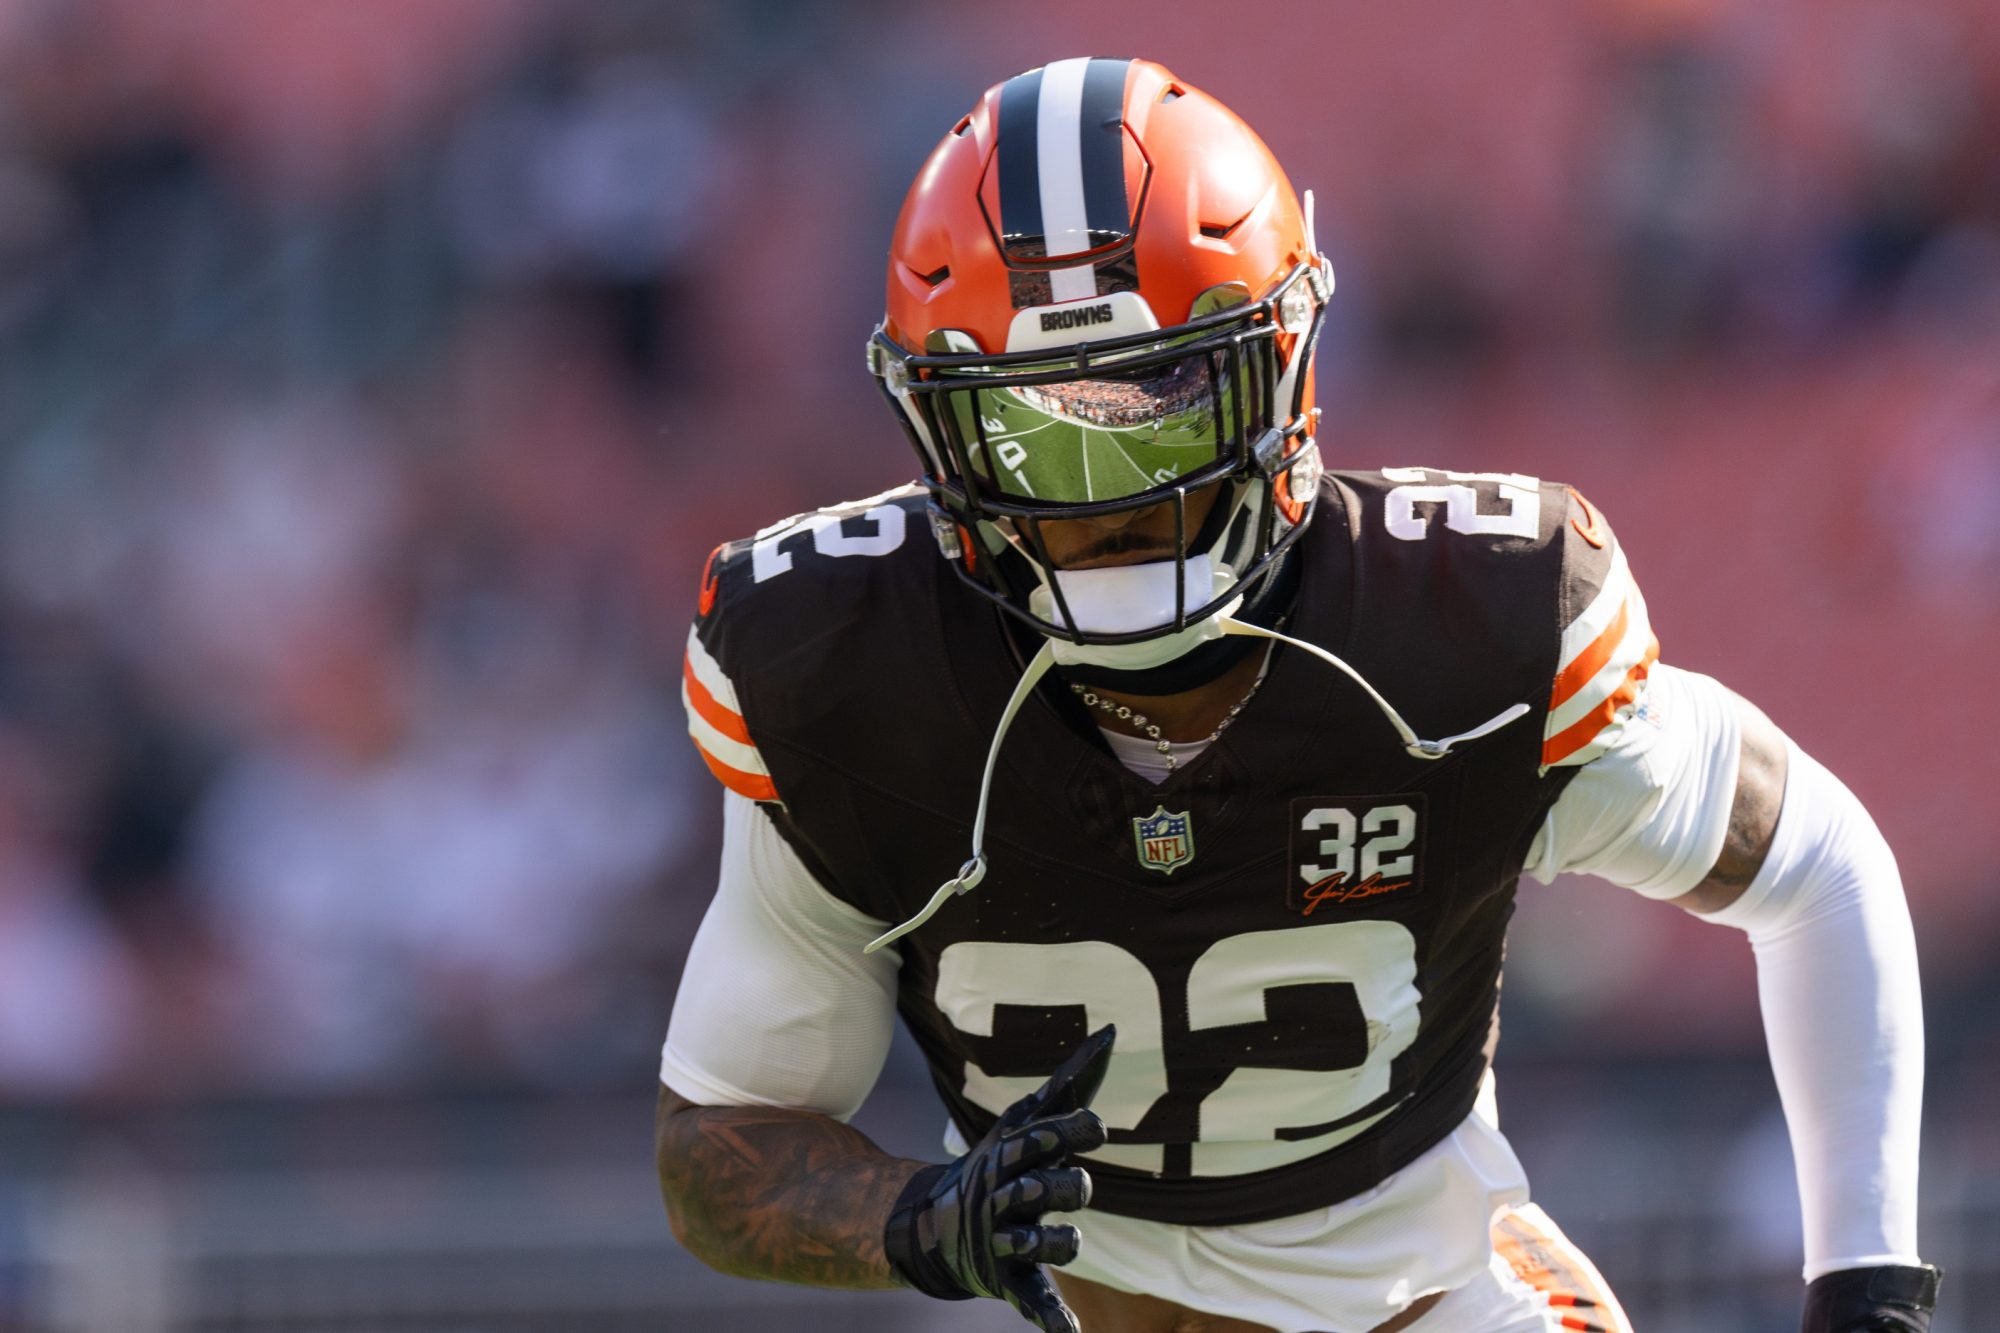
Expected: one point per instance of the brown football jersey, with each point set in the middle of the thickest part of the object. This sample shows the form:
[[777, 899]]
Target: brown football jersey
[[1300, 933]]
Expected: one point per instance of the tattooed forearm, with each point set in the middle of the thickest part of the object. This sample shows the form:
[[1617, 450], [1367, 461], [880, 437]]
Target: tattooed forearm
[[1753, 818], [788, 1195]]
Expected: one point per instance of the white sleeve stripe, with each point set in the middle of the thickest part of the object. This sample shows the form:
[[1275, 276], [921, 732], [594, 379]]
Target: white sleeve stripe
[[730, 751], [1585, 755], [1631, 650], [1603, 609], [709, 672]]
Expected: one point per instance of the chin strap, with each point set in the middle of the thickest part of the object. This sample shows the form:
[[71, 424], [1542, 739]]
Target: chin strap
[[973, 871], [1417, 747]]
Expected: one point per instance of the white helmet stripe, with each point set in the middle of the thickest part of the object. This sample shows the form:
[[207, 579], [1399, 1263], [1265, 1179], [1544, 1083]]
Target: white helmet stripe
[[1059, 158]]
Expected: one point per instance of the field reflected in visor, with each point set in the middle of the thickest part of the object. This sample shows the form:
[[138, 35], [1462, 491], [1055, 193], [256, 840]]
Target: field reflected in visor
[[1105, 437]]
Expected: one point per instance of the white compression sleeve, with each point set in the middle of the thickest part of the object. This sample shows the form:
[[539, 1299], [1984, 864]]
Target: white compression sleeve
[[778, 1005], [1836, 962], [1837, 980]]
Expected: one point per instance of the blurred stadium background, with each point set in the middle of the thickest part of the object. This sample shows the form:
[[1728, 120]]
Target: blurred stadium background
[[375, 374]]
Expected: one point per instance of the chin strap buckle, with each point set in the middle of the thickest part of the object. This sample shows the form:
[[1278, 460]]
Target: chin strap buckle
[[965, 881], [1424, 749]]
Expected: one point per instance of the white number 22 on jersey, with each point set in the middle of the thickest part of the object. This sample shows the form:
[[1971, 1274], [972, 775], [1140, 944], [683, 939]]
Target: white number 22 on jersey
[[1460, 498], [1244, 1122], [769, 558]]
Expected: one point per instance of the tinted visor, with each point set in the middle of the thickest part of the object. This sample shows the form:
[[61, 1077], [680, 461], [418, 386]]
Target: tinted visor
[[1111, 434]]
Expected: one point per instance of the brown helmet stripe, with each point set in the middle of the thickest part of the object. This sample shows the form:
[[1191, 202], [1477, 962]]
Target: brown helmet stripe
[[1061, 160], [1017, 158], [1101, 121]]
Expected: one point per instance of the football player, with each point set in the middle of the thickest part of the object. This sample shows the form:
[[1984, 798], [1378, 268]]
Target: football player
[[1240, 761]]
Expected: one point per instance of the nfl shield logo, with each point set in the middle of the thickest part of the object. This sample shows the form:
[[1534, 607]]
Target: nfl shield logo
[[1166, 840]]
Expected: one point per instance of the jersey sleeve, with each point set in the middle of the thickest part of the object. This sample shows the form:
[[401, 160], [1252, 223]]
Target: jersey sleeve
[[1650, 812], [778, 1005], [714, 713], [1607, 648]]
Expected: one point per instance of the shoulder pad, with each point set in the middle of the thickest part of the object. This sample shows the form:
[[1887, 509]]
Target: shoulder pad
[[1501, 510], [1608, 645], [766, 596]]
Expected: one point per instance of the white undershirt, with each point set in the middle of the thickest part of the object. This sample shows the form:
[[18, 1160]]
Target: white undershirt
[[1143, 756]]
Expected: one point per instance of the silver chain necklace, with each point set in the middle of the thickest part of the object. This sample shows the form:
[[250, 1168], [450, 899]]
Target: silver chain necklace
[[1151, 730]]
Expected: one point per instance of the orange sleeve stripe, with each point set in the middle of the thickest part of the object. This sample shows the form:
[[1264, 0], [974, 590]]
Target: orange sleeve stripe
[[1550, 1266], [1578, 671], [714, 713], [756, 786], [1584, 730]]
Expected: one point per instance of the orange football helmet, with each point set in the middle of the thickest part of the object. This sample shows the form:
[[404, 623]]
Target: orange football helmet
[[1103, 294]]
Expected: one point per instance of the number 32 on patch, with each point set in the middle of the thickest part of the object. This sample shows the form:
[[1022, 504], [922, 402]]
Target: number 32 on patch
[[1354, 850]]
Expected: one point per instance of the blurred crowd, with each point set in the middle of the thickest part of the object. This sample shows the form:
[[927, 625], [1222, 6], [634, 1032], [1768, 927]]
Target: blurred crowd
[[376, 376]]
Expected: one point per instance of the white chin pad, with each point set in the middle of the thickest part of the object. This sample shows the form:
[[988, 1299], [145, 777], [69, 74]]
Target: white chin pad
[[1124, 599], [1130, 599]]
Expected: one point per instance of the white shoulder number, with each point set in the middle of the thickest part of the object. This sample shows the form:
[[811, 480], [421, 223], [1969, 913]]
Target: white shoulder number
[[768, 558], [1459, 494]]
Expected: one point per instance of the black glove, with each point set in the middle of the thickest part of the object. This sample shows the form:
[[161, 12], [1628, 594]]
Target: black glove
[[1890, 1299], [973, 1228]]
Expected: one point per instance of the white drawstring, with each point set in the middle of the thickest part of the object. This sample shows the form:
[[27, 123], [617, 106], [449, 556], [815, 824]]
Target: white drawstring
[[1415, 745], [973, 871], [968, 876]]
